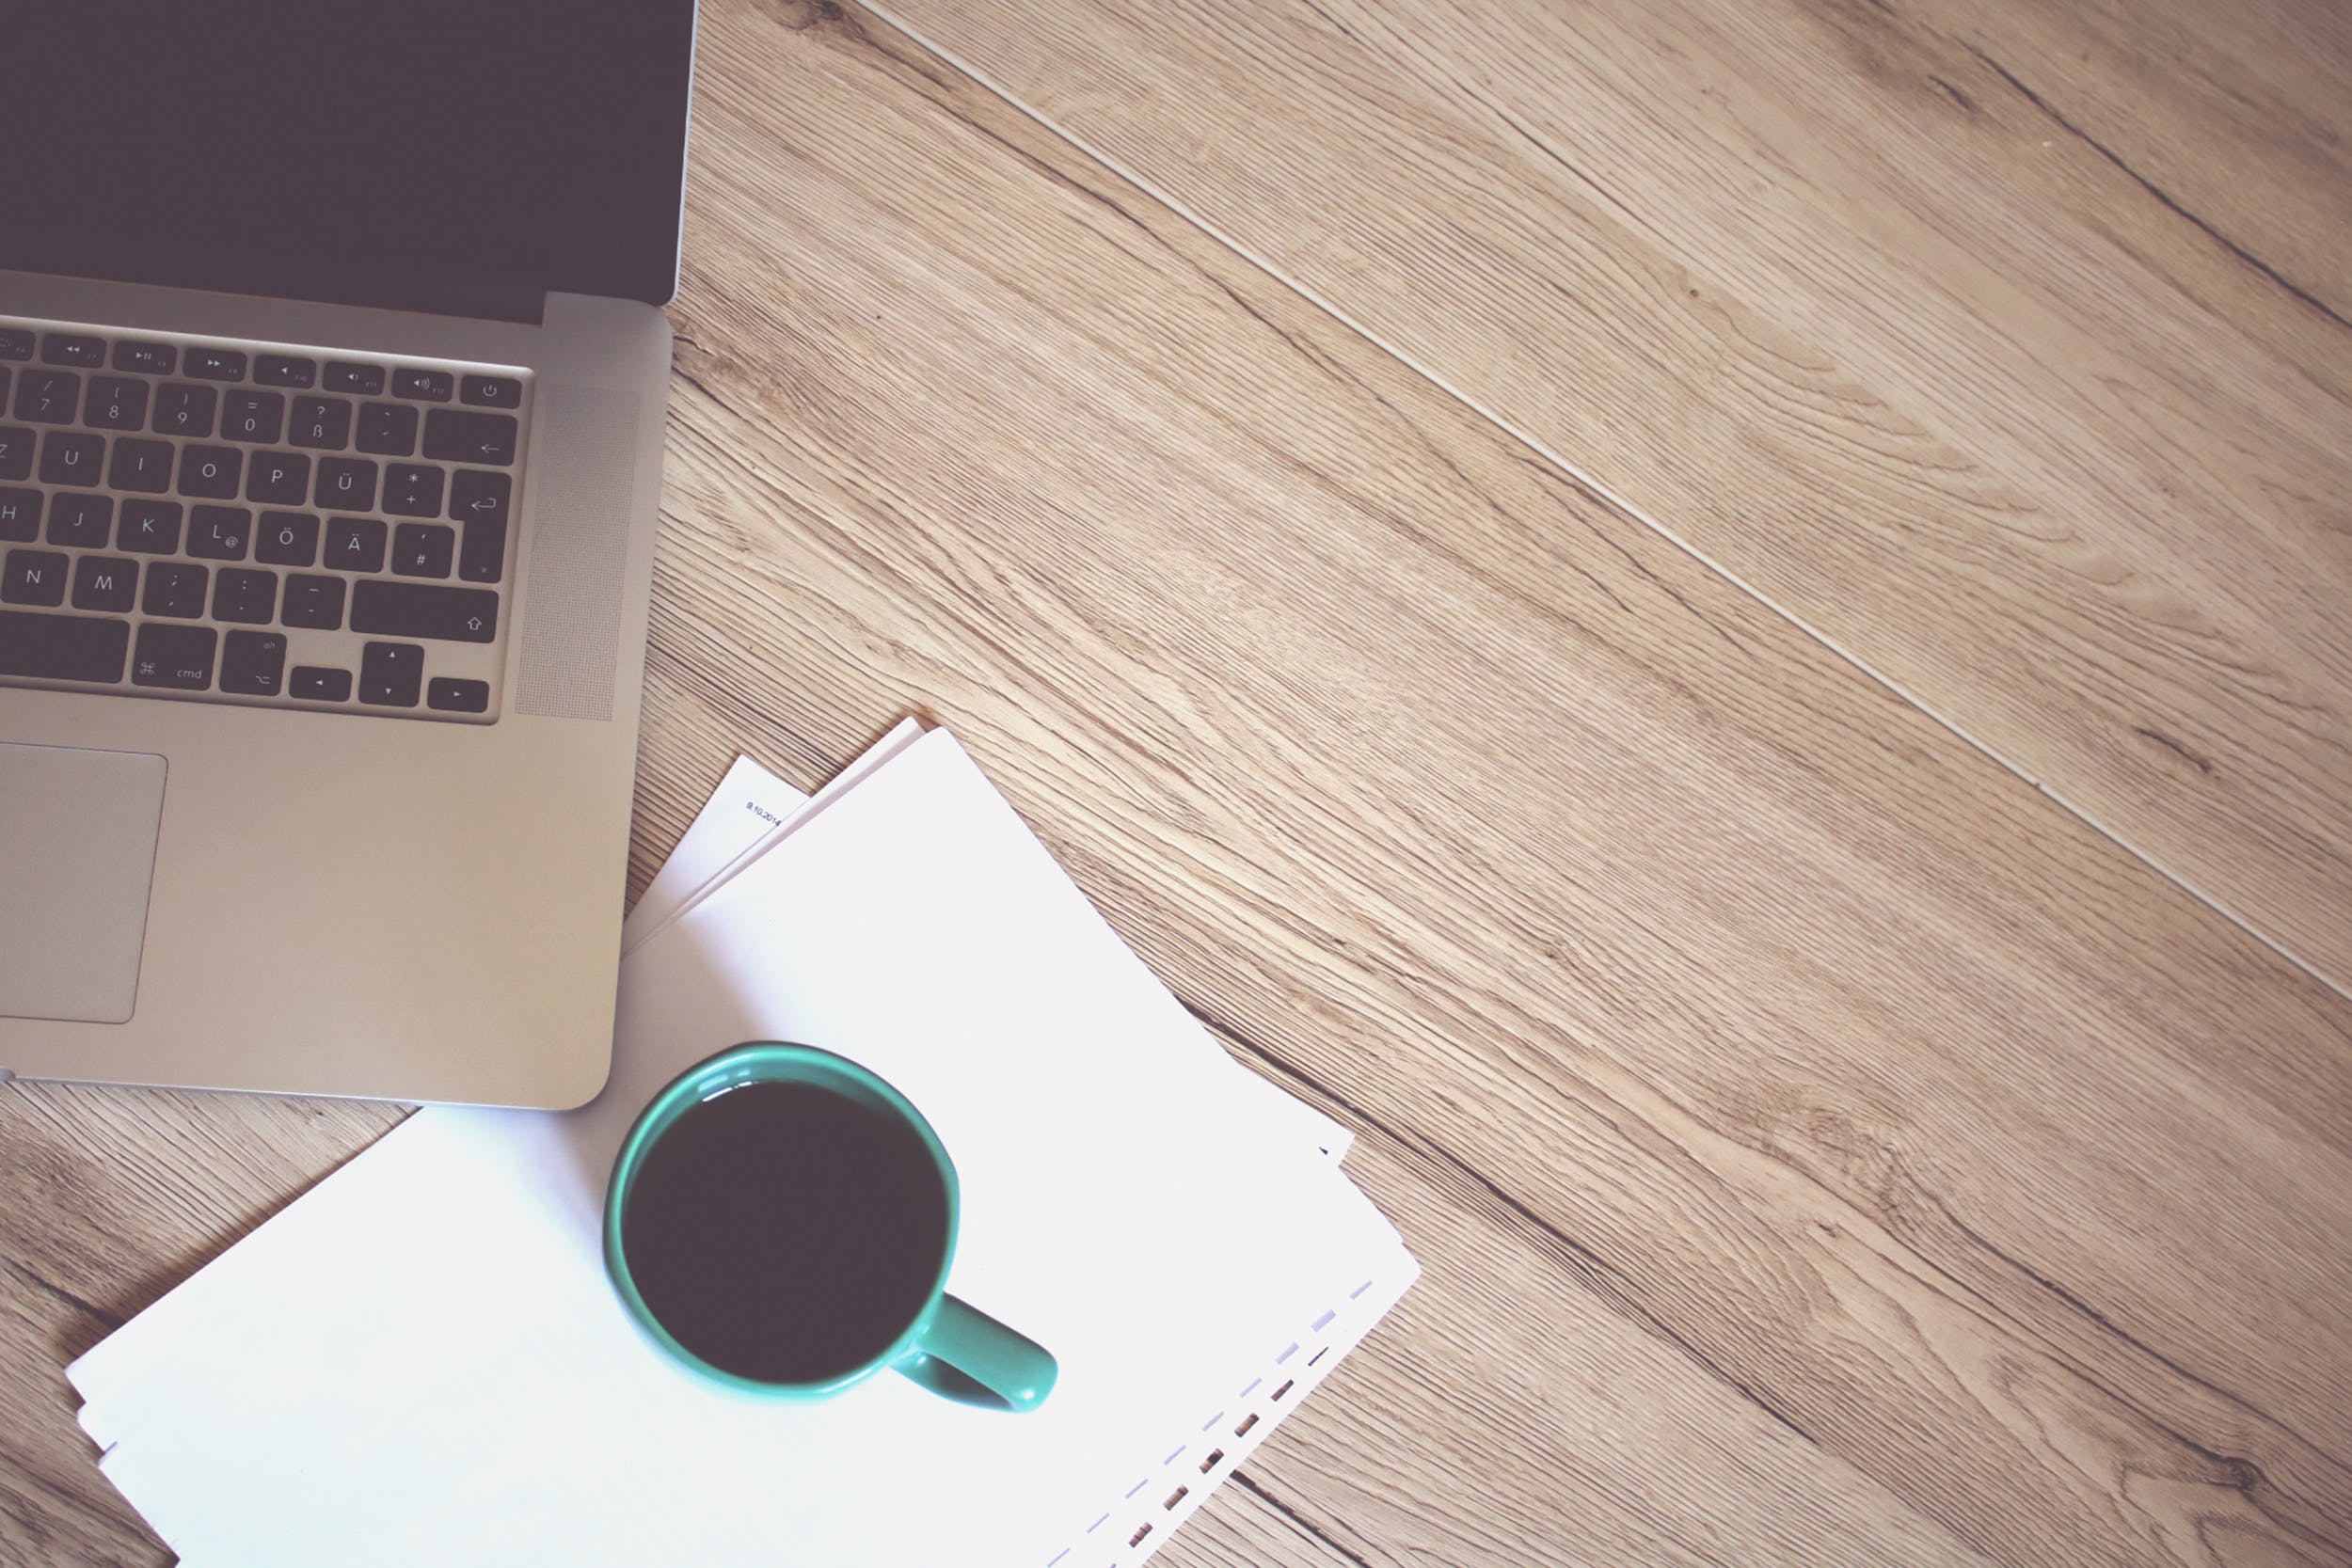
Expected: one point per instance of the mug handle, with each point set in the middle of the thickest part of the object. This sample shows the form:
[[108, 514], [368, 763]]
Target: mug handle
[[963, 1354]]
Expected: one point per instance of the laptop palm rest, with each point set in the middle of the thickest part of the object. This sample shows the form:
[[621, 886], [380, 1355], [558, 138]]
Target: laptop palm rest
[[77, 853]]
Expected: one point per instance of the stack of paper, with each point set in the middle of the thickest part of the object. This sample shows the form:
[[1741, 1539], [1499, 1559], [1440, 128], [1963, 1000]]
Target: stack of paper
[[422, 1360]]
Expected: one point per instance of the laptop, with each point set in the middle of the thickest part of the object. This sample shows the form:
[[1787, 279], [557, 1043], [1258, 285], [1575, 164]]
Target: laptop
[[333, 378]]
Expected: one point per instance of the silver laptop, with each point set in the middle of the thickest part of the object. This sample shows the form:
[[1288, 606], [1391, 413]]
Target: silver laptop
[[332, 389]]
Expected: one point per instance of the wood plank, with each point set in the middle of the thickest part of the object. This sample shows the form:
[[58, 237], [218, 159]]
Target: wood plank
[[1840, 297]]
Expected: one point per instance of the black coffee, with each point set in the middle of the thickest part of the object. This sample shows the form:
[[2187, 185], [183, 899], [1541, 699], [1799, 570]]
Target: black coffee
[[785, 1233]]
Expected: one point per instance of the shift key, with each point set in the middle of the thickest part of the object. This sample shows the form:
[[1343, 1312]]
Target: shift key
[[385, 608]]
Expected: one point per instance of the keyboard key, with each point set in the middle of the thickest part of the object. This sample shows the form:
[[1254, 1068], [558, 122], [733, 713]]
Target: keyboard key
[[422, 549], [174, 588], [220, 533], [287, 539], [216, 364], [15, 343], [62, 647], [33, 576], [81, 522], [315, 684], [280, 370], [321, 422], [491, 392], [253, 663], [114, 402], [315, 604], [390, 674], [344, 376], [151, 528], [210, 471], [432, 386], [146, 358], [242, 595], [458, 435], [48, 397], [4, 385], [413, 490], [185, 410], [455, 696], [105, 582], [67, 348], [354, 545], [482, 556], [176, 657], [252, 417], [71, 457], [279, 478], [387, 430], [140, 464], [20, 516], [16, 452], [476, 494], [381, 604], [348, 483]]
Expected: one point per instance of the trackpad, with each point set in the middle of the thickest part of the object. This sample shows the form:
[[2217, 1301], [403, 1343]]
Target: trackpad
[[77, 851]]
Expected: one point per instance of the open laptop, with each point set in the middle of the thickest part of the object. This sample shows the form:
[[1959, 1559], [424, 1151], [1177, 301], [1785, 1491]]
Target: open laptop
[[332, 389]]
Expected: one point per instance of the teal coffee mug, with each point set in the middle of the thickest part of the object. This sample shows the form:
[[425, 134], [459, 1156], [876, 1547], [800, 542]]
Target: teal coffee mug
[[782, 1220]]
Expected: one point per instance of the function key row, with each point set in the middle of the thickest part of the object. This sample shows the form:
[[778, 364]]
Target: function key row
[[208, 363]]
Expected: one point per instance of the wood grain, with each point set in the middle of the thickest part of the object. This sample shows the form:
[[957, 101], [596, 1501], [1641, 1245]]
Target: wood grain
[[1820, 1146], [1869, 303]]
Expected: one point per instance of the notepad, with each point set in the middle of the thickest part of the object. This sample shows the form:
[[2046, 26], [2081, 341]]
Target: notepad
[[420, 1360]]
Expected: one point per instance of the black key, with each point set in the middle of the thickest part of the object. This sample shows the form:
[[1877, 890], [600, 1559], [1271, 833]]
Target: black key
[[482, 556], [457, 436], [387, 430], [280, 370], [220, 533], [33, 576], [314, 603], [174, 588], [16, 452], [4, 385], [321, 422], [150, 527], [19, 515], [15, 343], [49, 397], [242, 595], [114, 402], [210, 471], [432, 386], [71, 457], [253, 663], [476, 496], [179, 658], [313, 684], [390, 674], [62, 647], [453, 696], [81, 522], [216, 364], [348, 482], [105, 582], [354, 545], [423, 610], [422, 549], [69, 348], [185, 410], [146, 358], [491, 392], [252, 417], [287, 539], [279, 478], [139, 465], [413, 490], [344, 376]]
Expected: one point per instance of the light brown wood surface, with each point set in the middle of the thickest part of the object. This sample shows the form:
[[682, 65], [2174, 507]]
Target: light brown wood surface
[[1823, 1146]]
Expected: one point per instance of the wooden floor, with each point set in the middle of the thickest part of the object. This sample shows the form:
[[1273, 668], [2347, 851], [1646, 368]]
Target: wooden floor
[[1728, 627]]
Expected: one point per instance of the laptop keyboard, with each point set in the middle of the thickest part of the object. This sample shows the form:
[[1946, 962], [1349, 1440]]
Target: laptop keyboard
[[255, 523]]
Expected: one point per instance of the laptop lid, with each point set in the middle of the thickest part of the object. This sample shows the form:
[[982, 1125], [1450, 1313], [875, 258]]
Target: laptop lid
[[463, 156]]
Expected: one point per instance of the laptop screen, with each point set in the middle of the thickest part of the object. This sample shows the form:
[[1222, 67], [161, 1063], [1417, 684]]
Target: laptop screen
[[434, 154]]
